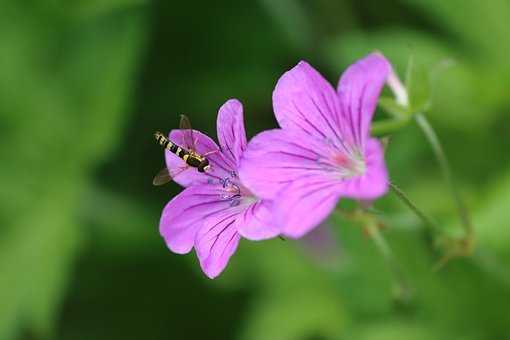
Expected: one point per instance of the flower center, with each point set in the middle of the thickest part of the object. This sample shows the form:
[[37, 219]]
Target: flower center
[[343, 160], [348, 165], [234, 191]]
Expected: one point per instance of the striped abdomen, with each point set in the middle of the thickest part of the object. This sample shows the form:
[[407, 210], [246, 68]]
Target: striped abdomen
[[190, 158], [172, 147]]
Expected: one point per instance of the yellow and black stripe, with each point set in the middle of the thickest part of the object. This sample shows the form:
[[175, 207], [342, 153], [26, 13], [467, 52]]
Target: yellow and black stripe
[[189, 157]]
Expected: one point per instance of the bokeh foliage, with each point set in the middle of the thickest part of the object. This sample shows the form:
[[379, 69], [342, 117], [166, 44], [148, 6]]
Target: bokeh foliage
[[84, 84]]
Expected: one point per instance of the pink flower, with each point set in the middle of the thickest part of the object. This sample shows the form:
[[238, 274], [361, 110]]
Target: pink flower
[[215, 209], [323, 150]]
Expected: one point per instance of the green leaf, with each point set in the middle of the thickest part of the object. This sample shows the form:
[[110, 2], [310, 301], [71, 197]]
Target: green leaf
[[461, 93], [393, 108], [417, 83], [62, 98]]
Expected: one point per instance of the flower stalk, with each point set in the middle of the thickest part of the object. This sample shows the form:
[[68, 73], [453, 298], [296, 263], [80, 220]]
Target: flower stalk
[[388, 126], [414, 208], [465, 245], [467, 242], [372, 228], [401, 289]]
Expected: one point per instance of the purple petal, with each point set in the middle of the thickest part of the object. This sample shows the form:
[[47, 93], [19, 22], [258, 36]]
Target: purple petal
[[304, 100], [231, 133], [184, 215], [204, 145], [359, 89], [256, 222], [374, 183], [306, 203], [216, 241], [277, 157]]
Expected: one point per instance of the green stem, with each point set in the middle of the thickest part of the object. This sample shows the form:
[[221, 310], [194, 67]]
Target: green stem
[[370, 223], [402, 291], [437, 148], [388, 126], [407, 201]]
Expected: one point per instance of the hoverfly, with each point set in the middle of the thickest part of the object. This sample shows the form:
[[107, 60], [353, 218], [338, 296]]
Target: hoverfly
[[186, 151]]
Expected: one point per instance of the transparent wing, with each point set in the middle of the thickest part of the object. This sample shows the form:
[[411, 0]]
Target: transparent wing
[[166, 175], [188, 140]]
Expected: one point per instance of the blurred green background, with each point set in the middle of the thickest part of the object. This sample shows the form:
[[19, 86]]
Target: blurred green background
[[83, 84]]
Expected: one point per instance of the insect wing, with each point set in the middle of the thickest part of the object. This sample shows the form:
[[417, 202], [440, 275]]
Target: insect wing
[[166, 175], [188, 140]]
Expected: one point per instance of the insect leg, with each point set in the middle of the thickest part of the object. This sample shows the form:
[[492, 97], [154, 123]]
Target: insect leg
[[210, 153]]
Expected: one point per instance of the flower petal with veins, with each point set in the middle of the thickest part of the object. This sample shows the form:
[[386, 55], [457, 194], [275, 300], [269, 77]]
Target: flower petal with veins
[[216, 241], [216, 207], [323, 150]]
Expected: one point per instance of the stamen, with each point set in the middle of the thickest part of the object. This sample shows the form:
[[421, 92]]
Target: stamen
[[232, 190]]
